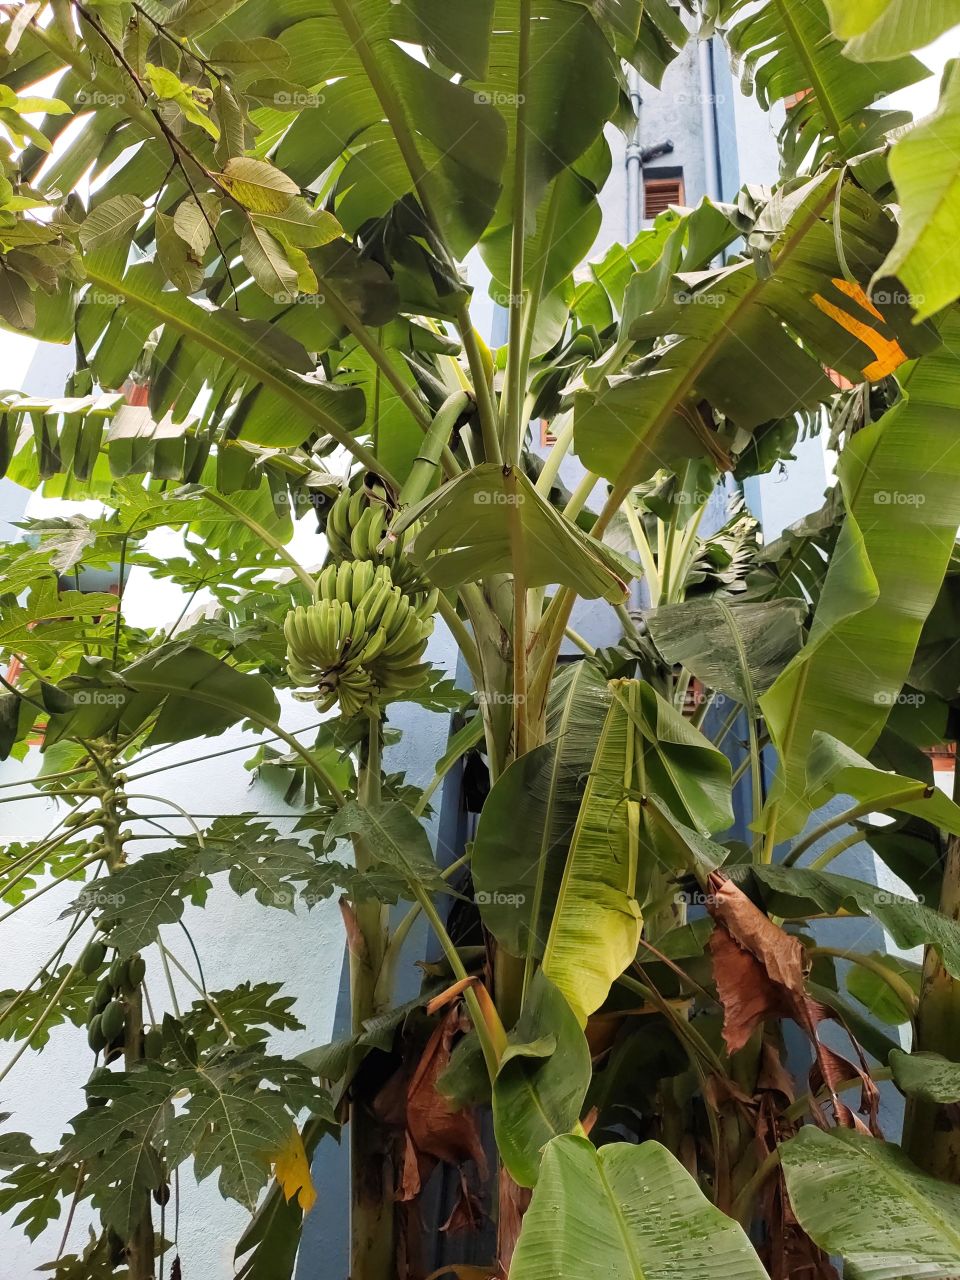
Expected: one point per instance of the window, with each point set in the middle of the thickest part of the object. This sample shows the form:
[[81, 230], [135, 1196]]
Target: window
[[547, 437], [661, 188]]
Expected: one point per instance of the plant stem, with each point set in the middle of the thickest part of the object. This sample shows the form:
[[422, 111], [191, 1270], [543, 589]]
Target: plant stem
[[465, 641], [372, 1178], [897, 985], [917, 791], [491, 1048], [576, 638], [486, 405], [214, 755], [578, 499], [558, 451], [520, 709], [824, 859], [401, 933], [140, 1244], [435, 445], [513, 387], [743, 1201]]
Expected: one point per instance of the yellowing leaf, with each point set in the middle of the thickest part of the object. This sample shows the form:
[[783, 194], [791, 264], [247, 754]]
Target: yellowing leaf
[[192, 101], [292, 1171], [258, 186], [890, 355]]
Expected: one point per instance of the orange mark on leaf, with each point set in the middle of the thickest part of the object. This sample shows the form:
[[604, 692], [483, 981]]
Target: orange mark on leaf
[[889, 354]]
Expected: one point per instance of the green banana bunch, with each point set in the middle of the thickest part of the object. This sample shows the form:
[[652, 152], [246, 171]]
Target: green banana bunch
[[356, 527], [361, 641]]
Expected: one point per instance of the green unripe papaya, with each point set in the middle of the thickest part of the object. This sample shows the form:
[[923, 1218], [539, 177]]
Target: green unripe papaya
[[116, 973], [93, 957], [135, 974], [153, 1043], [112, 1021], [95, 1037], [102, 995]]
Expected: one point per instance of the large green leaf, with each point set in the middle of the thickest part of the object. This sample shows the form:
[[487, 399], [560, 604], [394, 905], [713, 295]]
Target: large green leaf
[[197, 694], [565, 46], [564, 230], [901, 485], [926, 1075], [676, 764], [395, 839], [492, 520], [836, 770], [234, 1117], [925, 168], [527, 820], [787, 49], [875, 29], [596, 926], [282, 408], [737, 647], [625, 1212], [732, 335], [408, 124], [542, 1081], [864, 1200]]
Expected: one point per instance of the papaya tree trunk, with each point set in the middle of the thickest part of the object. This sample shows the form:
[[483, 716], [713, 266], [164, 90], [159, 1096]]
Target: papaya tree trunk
[[140, 1245]]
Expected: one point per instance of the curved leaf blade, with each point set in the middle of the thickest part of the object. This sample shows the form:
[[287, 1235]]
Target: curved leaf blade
[[625, 1212]]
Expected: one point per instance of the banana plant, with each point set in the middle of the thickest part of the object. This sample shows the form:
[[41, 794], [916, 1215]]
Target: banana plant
[[259, 218]]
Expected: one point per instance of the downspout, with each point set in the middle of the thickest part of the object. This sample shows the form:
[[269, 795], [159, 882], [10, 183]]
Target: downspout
[[708, 118], [634, 162]]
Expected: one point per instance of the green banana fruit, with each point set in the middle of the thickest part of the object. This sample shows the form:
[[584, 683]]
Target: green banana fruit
[[362, 639], [357, 530]]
